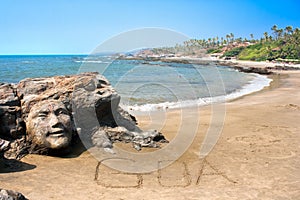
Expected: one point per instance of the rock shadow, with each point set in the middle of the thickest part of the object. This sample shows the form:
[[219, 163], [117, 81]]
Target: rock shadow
[[12, 165]]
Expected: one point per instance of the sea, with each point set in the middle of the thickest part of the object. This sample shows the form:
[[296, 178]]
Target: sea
[[143, 85]]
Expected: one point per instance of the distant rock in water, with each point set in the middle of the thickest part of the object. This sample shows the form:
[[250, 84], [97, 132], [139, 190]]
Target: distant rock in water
[[262, 71], [46, 116]]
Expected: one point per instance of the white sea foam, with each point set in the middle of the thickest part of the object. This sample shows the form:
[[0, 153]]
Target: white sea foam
[[28, 62], [258, 83], [91, 61]]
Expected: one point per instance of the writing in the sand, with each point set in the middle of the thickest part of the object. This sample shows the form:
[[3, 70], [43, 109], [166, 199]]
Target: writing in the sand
[[179, 174]]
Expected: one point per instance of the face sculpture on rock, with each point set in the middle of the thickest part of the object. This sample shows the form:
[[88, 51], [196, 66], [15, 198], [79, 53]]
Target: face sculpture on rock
[[49, 125]]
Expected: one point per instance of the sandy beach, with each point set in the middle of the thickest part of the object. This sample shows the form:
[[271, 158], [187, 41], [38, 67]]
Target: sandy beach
[[232, 62], [256, 157]]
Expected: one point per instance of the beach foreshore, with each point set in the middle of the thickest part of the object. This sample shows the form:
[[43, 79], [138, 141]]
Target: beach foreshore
[[255, 157], [208, 60]]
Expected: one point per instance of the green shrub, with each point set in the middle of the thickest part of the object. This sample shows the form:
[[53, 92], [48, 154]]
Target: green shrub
[[211, 51], [233, 52]]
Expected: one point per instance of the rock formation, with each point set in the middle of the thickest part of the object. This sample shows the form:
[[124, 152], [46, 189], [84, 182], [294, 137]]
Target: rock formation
[[262, 71], [44, 115], [10, 195]]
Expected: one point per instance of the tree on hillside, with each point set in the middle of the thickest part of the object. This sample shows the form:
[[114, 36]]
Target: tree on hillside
[[274, 29], [288, 31], [270, 38], [213, 41], [209, 41], [232, 37], [227, 38], [279, 33], [285, 44], [239, 40], [266, 36], [251, 36]]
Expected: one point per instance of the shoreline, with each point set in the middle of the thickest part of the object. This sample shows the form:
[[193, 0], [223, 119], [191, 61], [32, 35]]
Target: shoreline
[[261, 70], [262, 67], [257, 84]]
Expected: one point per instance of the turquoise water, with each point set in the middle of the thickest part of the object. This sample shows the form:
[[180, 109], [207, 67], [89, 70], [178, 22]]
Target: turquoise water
[[15, 68], [141, 84]]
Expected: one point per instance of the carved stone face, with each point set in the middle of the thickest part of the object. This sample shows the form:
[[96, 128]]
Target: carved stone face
[[49, 124]]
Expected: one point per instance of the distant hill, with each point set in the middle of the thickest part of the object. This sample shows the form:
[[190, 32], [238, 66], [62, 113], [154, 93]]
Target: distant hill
[[281, 45]]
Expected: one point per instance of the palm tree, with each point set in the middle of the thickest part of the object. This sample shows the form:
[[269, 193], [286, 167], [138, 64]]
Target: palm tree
[[251, 36], [227, 38], [232, 37], [279, 33], [270, 38], [239, 40], [209, 41], [204, 43], [274, 29], [289, 29], [266, 36]]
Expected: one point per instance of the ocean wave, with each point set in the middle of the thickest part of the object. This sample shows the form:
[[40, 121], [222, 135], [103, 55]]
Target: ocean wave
[[258, 83], [28, 62], [92, 61]]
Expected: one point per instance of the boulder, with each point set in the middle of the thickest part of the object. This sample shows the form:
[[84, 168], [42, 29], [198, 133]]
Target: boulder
[[11, 195], [11, 123]]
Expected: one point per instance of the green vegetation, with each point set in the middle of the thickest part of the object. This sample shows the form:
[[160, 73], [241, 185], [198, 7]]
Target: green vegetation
[[284, 46], [233, 52], [213, 50], [280, 45], [256, 52]]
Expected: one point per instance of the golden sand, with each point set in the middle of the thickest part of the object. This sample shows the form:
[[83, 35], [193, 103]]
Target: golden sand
[[256, 157]]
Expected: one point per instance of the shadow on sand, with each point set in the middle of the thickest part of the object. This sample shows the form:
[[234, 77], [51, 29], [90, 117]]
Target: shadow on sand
[[11, 165]]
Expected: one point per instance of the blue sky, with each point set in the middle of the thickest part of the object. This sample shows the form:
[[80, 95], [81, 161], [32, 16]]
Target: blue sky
[[79, 26]]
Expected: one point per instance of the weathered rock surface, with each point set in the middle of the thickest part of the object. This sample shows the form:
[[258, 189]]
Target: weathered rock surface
[[262, 71], [10, 195], [38, 114], [10, 112]]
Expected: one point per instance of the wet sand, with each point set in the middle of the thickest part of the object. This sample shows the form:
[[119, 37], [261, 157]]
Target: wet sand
[[256, 157]]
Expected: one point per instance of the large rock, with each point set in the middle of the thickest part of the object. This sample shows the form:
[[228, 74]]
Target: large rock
[[10, 195], [48, 113], [11, 123]]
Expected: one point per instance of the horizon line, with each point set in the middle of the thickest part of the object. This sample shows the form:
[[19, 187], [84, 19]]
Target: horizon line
[[45, 54]]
